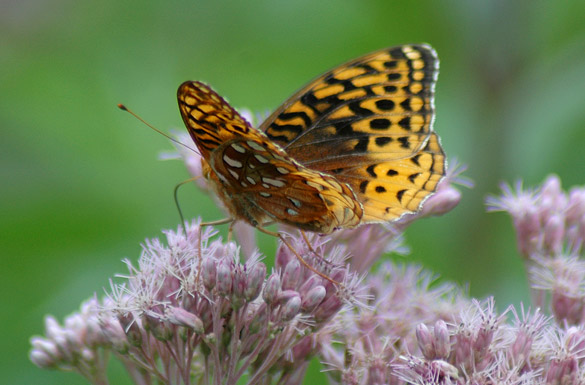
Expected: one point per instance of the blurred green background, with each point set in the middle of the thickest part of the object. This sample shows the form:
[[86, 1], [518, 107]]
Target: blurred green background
[[81, 185]]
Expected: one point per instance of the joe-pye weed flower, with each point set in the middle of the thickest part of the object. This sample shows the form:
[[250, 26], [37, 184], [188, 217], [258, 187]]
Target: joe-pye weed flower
[[197, 309]]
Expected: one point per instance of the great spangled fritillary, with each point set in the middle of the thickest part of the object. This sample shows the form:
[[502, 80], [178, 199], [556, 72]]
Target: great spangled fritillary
[[354, 146]]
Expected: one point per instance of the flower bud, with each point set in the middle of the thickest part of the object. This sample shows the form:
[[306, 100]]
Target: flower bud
[[44, 353], [563, 370], [552, 197], [328, 308], [161, 330], [441, 341], [520, 348], [204, 312], [239, 287], [425, 341], [554, 233], [182, 317], [308, 284], [576, 205], [114, 334], [444, 200], [87, 354], [291, 308], [527, 224], [566, 307], [283, 257], [254, 281], [272, 289], [52, 327], [209, 273], [285, 295], [444, 370], [131, 328], [224, 280], [291, 275], [313, 298]]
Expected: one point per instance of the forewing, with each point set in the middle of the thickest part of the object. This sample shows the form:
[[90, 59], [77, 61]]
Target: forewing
[[258, 178], [209, 119], [369, 124]]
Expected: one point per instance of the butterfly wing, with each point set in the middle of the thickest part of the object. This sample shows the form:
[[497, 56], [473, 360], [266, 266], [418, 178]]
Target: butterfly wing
[[209, 119], [255, 178], [368, 123]]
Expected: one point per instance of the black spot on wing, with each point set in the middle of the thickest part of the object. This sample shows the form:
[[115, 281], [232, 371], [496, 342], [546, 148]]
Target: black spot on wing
[[404, 123], [400, 194], [385, 104], [404, 143], [412, 177], [379, 124], [397, 53], [383, 140], [362, 145], [414, 159], [357, 109], [363, 186]]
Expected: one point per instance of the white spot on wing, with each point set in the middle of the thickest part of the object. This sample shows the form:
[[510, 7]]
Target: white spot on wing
[[282, 170], [315, 185], [251, 180], [232, 162], [260, 158], [238, 148], [295, 202], [274, 182], [234, 174], [255, 146], [292, 212], [265, 194]]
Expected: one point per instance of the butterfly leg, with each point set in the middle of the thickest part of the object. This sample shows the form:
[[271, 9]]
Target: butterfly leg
[[176, 195], [311, 249], [305, 238], [301, 259], [231, 231]]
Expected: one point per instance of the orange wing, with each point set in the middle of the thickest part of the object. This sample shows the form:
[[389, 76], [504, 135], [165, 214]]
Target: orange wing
[[255, 178], [368, 123]]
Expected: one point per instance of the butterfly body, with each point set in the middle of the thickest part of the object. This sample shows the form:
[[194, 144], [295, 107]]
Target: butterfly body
[[354, 146]]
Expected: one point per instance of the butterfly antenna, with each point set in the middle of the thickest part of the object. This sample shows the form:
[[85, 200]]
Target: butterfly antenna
[[124, 108]]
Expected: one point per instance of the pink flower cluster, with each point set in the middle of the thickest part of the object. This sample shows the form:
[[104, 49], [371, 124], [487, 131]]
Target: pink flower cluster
[[550, 231], [191, 311], [194, 310]]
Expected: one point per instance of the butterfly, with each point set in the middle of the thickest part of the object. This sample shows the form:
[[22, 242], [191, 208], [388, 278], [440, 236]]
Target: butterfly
[[354, 146]]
